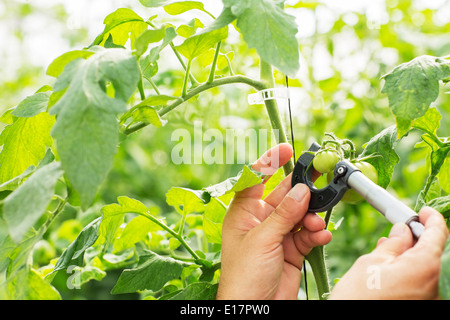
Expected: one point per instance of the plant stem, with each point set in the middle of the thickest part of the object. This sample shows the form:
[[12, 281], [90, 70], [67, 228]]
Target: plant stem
[[141, 89], [191, 77], [179, 237], [316, 259], [214, 63], [206, 86], [183, 220], [177, 54], [150, 80], [272, 110], [327, 217], [186, 76]]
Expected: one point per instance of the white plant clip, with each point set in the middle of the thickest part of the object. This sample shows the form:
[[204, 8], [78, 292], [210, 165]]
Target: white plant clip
[[268, 94]]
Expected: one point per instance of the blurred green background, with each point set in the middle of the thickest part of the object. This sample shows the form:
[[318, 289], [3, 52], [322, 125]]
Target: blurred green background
[[345, 47]]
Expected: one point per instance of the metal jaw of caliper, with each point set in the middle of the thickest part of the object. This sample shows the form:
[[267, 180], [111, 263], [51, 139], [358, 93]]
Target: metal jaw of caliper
[[347, 176]]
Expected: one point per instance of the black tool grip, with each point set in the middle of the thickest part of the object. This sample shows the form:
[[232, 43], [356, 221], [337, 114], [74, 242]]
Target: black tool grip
[[321, 199]]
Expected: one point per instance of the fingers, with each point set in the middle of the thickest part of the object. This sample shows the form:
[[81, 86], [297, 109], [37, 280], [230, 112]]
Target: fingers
[[435, 234], [276, 195], [273, 159], [267, 164], [307, 239], [254, 192], [288, 213], [400, 239]]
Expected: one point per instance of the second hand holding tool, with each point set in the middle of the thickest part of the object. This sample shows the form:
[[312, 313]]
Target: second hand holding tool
[[347, 176]]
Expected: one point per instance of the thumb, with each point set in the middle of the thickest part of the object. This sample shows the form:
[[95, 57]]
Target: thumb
[[400, 239], [292, 208]]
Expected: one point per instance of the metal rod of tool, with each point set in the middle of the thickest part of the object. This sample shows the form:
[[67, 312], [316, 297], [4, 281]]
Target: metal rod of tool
[[392, 208]]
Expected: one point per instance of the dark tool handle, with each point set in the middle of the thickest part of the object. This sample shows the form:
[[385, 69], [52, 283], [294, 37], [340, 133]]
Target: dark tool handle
[[321, 199]]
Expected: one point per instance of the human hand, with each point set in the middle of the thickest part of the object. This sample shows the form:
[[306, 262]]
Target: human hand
[[398, 268], [262, 251]]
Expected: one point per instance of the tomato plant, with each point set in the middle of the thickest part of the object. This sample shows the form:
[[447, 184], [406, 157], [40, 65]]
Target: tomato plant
[[76, 154], [368, 170], [325, 161]]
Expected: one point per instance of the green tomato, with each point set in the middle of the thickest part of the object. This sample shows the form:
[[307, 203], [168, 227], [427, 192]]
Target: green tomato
[[43, 252], [325, 161], [351, 196]]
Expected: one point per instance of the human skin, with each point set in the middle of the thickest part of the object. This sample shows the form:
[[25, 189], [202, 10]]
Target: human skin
[[399, 267], [262, 247], [265, 241]]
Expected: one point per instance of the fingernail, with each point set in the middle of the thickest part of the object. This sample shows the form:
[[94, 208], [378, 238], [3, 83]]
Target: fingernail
[[398, 230], [298, 192]]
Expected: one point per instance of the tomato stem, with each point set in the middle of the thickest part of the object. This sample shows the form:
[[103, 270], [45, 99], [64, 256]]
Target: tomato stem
[[316, 259], [214, 64], [186, 76], [177, 235], [258, 85], [266, 75]]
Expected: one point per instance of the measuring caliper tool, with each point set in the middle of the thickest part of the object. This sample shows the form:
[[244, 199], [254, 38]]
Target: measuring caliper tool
[[347, 176]]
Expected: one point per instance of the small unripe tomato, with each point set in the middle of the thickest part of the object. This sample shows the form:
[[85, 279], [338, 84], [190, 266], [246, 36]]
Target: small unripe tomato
[[325, 161], [351, 196], [43, 252]]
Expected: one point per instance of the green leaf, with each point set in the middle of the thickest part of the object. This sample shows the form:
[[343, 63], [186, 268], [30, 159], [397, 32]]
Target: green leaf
[[271, 31], [149, 115], [148, 63], [444, 176], [118, 261], [444, 276], [147, 37], [191, 200], [383, 146], [24, 143], [57, 66], [438, 157], [223, 20], [85, 275], [153, 3], [136, 230], [157, 100], [411, 87], [441, 204], [174, 243], [122, 24], [29, 285], [179, 7], [429, 122], [24, 206], [189, 29], [73, 255], [174, 7], [15, 256], [131, 205], [202, 42], [109, 43], [86, 130], [197, 291], [113, 217], [212, 220], [245, 179], [206, 59], [145, 112], [32, 105], [16, 181], [152, 272]]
